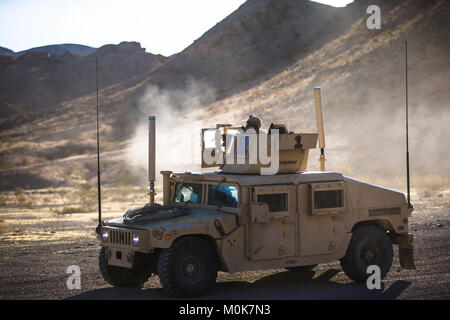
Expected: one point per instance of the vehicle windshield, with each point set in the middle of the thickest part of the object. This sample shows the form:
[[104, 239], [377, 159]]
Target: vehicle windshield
[[191, 192], [222, 195]]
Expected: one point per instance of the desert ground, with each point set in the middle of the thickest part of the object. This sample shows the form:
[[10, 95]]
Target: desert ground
[[39, 240]]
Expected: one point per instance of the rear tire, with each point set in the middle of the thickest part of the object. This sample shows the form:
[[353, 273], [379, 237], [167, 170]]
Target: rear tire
[[188, 268], [301, 268], [370, 245], [121, 277]]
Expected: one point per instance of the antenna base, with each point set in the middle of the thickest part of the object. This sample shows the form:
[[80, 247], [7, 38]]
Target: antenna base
[[152, 192], [98, 228]]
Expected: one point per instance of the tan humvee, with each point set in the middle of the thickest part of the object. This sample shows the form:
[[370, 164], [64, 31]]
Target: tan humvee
[[235, 220]]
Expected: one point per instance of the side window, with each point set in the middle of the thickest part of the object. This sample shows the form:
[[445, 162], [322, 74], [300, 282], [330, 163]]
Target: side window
[[327, 198], [223, 195], [277, 202], [191, 192]]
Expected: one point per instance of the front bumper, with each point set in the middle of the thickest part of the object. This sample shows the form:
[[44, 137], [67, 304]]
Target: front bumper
[[120, 249], [120, 257]]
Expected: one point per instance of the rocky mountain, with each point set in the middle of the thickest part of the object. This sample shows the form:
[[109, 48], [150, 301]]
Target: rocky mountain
[[255, 42], [44, 77], [57, 49], [60, 49], [7, 52]]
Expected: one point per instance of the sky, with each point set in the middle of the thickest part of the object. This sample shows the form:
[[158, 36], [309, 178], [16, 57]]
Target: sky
[[161, 26]]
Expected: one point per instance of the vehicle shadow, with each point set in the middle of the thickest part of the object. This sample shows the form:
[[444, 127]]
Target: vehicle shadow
[[279, 286]]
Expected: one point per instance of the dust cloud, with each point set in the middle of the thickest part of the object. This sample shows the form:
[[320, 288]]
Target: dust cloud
[[364, 119], [369, 143], [178, 135]]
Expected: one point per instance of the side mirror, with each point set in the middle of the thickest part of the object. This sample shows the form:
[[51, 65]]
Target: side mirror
[[259, 213]]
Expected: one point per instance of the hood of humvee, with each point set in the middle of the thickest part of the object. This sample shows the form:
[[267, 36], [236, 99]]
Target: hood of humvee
[[164, 218]]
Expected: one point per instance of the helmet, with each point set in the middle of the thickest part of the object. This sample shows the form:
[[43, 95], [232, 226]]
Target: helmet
[[254, 122]]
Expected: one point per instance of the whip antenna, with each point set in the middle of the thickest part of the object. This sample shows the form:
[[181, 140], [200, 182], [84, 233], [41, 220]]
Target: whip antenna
[[407, 138], [320, 131], [151, 157], [98, 158]]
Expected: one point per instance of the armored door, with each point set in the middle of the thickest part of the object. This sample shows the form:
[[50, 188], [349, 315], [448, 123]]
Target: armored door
[[272, 222]]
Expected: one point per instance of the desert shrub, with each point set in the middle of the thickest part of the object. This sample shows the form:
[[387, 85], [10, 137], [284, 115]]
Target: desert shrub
[[21, 199], [3, 202], [62, 193], [19, 191], [29, 204]]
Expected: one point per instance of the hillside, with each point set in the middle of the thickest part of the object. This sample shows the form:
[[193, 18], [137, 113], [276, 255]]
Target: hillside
[[57, 49], [263, 59], [6, 52], [45, 77], [60, 49], [255, 42]]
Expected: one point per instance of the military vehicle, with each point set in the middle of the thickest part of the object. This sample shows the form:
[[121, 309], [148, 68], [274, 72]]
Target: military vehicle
[[237, 219]]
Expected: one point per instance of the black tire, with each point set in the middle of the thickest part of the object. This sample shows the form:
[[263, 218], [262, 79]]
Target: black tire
[[370, 245], [301, 268], [188, 268], [121, 277]]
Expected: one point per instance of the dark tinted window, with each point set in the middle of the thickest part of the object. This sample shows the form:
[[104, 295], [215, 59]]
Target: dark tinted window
[[328, 199], [191, 192], [222, 195], [276, 202]]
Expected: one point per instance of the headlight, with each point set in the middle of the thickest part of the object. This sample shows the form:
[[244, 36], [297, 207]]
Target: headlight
[[135, 239], [105, 235]]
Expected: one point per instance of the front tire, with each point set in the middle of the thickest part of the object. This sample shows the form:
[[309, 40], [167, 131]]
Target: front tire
[[188, 268], [370, 245], [121, 277]]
